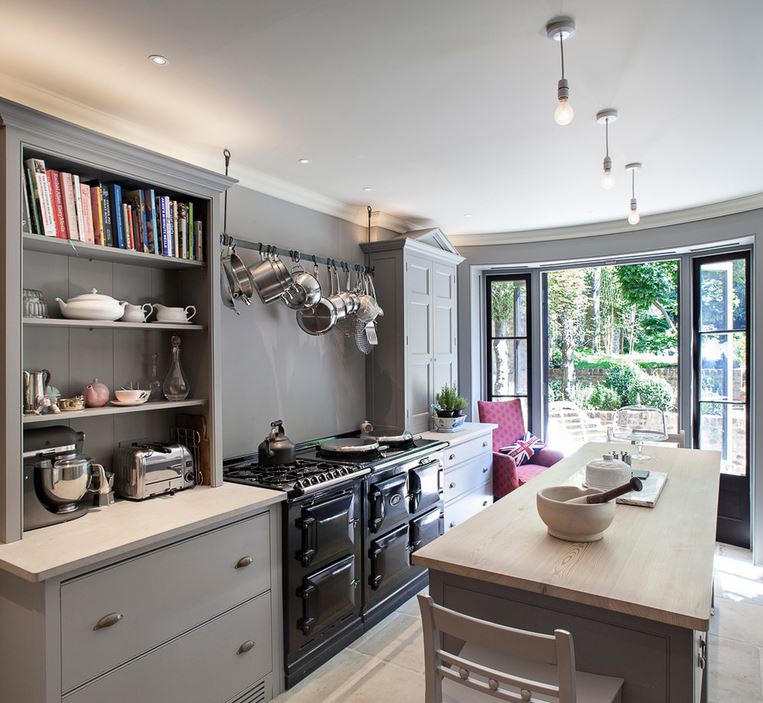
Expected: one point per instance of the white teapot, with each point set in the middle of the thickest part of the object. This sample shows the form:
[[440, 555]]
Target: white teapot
[[92, 306]]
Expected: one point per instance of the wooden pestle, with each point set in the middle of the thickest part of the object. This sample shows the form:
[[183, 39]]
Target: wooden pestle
[[633, 485]]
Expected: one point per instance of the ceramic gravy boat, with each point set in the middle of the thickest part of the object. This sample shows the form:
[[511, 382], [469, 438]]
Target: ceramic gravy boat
[[167, 314]]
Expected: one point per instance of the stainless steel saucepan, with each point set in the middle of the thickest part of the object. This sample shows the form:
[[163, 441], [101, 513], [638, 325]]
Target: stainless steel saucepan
[[270, 277], [305, 291], [321, 317]]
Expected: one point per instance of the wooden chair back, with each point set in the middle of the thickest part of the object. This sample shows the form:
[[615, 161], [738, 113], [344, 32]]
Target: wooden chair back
[[556, 649]]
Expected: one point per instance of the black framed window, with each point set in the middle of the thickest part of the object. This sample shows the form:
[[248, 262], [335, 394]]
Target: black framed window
[[508, 339]]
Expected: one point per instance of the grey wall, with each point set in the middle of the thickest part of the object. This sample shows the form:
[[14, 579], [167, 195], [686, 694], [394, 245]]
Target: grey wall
[[721, 229], [270, 368]]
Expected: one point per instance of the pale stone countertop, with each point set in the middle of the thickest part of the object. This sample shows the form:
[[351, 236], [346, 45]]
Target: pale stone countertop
[[470, 430], [654, 563], [126, 526]]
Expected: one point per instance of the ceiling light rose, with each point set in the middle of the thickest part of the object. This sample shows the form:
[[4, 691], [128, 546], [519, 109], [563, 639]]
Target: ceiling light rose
[[633, 215], [158, 59], [559, 29], [605, 117]]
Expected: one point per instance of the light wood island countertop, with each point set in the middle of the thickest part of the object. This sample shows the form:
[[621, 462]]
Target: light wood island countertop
[[652, 563], [127, 526]]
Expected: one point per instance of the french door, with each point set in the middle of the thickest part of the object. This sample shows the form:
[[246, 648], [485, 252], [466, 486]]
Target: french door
[[508, 339], [721, 361]]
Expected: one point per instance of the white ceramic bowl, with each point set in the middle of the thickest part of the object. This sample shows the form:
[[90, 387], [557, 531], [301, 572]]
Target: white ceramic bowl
[[131, 396], [574, 522]]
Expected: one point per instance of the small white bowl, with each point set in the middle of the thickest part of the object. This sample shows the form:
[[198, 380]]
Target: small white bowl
[[573, 522], [131, 396]]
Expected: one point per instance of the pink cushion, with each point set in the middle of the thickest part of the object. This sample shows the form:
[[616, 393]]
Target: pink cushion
[[547, 457], [508, 417], [529, 471]]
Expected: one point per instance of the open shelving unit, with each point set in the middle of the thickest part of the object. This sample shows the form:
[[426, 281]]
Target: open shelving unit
[[116, 353], [113, 410], [106, 324], [96, 252]]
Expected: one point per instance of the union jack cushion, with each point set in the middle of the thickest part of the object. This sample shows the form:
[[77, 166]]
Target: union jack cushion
[[524, 448]]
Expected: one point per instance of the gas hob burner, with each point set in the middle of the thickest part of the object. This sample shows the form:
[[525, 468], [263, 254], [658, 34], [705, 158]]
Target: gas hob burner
[[297, 478]]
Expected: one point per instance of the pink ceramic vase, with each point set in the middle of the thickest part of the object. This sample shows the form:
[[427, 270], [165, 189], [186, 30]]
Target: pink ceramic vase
[[96, 394]]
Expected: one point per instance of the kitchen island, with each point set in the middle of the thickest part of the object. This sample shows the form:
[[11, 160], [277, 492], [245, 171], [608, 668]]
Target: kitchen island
[[637, 603]]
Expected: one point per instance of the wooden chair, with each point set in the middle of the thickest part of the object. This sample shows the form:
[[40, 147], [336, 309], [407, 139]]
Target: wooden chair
[[542, 666]]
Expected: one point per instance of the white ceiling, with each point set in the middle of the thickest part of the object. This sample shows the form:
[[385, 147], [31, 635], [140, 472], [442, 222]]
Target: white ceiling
[[444, 107]]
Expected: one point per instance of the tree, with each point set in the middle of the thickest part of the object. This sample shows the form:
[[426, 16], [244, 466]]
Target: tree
[[568, 298], [651, 285], [508, 303]]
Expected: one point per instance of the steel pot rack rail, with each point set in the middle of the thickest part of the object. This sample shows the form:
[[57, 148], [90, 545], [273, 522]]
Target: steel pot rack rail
[[293, 254]]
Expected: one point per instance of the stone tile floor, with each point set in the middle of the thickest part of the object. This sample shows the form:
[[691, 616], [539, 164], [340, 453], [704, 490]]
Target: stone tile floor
[[386, 664]]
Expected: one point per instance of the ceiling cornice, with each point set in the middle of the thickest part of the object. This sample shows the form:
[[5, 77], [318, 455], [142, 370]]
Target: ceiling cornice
[[83, 115], [663, 219]]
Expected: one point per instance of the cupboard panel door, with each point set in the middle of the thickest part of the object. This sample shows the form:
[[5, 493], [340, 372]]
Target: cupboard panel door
[[211, 663], [420, 394], [445, 366]]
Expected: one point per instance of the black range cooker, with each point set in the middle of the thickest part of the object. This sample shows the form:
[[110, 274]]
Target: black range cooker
[[351, 521]]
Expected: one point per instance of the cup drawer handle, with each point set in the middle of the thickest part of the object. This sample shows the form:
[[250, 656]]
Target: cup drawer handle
[[485, 470], [452, 484], [108, 620], [245, 647], [451, 457], [484, 444], [244, 561]]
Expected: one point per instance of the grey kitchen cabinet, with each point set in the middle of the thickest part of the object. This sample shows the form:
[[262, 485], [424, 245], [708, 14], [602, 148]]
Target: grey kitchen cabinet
[[192, 619], [418, 343]]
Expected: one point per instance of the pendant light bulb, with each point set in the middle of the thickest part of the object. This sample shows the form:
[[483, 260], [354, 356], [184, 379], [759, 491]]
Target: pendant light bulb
[[560, 29], [564, 113], [633, 217], [607, 179]]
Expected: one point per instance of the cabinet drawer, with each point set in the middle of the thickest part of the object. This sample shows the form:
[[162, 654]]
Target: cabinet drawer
[[467, 450], [212, 663], [470, 504], [159, 595], [467, 476]]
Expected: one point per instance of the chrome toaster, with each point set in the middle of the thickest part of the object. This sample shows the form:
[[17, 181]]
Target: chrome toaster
[[145, 470]]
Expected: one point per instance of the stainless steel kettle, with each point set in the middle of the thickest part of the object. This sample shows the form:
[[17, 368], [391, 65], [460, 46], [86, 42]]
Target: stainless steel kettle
[[277, 448]]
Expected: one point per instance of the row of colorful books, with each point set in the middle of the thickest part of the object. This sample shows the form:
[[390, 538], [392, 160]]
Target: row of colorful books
[[59, 204]]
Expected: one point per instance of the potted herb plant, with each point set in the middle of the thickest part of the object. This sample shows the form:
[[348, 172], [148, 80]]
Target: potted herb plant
[[449, 410]]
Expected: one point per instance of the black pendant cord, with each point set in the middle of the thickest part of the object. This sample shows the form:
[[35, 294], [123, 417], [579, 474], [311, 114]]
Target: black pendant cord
[[226, 155]]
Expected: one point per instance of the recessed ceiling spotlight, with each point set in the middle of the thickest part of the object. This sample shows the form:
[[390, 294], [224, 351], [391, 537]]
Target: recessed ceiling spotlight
[[605, 117], [158, 59], [468, 214], [304, 161], [367, 189], [559, 29]]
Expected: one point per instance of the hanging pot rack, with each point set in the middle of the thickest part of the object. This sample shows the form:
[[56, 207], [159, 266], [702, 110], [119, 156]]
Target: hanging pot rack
[[294, 254]]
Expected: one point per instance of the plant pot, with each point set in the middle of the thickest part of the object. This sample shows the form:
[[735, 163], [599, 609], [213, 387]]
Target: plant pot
[[450, 413], [448, 424]]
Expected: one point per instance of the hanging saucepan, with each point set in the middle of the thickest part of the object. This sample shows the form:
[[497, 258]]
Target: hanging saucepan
[[321, 317], [336, 298], [226, 280], [242, 287], [270, 277], [305, 291]]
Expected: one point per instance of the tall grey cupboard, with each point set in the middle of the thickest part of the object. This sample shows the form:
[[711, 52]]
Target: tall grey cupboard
[[418, 340]]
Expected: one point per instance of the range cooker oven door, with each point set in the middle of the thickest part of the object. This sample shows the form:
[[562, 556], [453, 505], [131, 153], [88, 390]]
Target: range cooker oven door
[[424, 486], [387, 502], [328, 596], [425, 529], [389, 560], [328, 529]]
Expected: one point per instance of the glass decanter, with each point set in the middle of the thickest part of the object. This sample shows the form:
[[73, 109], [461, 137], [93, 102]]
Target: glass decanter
[[154, 384], [175, 387]]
